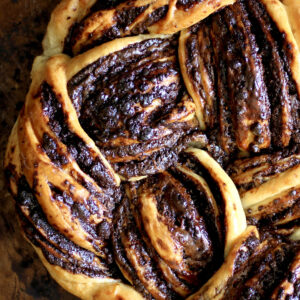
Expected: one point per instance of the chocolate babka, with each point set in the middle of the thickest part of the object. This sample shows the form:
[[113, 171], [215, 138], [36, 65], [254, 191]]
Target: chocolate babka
[[157, 155]]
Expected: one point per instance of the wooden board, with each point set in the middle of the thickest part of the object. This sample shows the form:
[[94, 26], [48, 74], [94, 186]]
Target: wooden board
[[22, 25]]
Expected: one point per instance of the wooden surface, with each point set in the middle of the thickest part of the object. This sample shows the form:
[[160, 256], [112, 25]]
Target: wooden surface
[[22, 25]]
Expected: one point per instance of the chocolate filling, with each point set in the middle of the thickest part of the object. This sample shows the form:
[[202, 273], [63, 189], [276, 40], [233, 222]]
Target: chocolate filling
[[151, 19], [183, 208], [108, 4], [259, 275], [281, 86], [51, 148], [247, 62], [123, 18], [126, 231], [124, 100], [163, 158], [84, 156], [210, 216], [192, 163], [83, 211], [57, 249], [272, 164]]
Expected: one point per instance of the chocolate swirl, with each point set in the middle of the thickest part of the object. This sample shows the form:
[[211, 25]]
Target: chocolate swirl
[[254, 269], [132, 103], [241, 66], [56, 248], [171, 233], [62, 168], [268, 186], [107, 22]]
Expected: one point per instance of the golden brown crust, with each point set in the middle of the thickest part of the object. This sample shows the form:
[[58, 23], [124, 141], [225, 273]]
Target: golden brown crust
[[63, 17], [88, 288], [292, 8], [34, 163]]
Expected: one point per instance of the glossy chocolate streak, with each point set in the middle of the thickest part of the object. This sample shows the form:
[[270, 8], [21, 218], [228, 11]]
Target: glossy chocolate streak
[[240, 77], [163, 159], [281, 217], [249, 247], [269, 188], [76, 147], [208, 213], [84, 210], [193, 63], [220, 33], [127, 16], [260, 274], [200, 55], [57, 249], [246, 81], [176, 205], [170, 141], [209, 63], [52, 150], [123, 18]]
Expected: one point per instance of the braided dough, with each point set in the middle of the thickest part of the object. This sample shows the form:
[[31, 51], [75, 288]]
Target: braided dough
[[157, 154]]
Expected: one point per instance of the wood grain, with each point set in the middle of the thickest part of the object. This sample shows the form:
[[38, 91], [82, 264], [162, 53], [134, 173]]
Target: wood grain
[[22, 25]]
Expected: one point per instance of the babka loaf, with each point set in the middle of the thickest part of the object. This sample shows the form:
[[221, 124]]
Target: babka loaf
[[157, 153]]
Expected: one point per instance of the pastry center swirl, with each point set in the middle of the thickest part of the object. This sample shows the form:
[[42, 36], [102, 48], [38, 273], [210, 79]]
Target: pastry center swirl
[[133, 104]]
